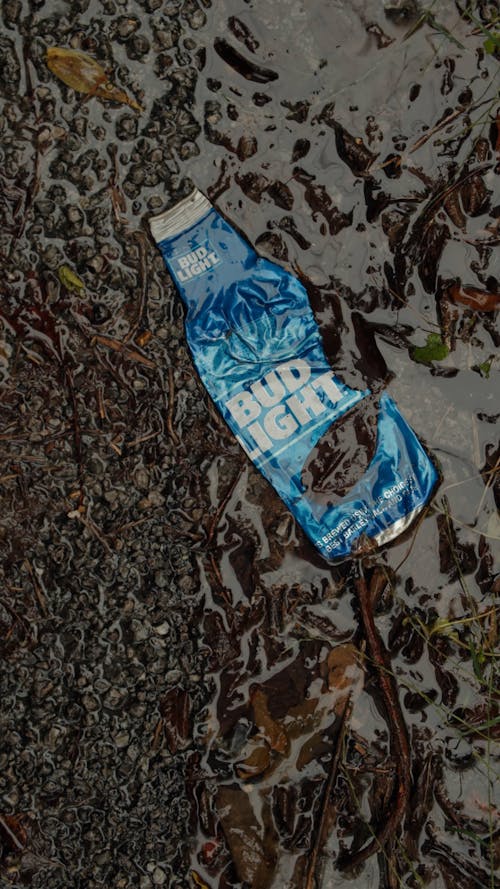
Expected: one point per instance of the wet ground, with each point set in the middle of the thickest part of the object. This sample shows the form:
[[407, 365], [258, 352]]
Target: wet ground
[[191, 697]]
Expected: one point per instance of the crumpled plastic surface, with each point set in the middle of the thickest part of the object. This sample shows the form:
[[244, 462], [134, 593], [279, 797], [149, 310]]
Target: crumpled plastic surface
[[258, 351]]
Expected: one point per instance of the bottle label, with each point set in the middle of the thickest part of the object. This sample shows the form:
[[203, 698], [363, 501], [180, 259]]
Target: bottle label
[[348, 466], [194, 263], [285, 404]]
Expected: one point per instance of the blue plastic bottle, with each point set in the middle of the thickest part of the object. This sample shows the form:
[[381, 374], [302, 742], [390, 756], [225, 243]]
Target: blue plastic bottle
[[258, 351]]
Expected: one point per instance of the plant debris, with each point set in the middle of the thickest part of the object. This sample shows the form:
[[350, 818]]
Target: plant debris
[[84, 74], [434, 350], [191, 697]]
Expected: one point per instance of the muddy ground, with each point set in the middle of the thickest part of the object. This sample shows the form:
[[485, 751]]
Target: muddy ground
[[190, 695]]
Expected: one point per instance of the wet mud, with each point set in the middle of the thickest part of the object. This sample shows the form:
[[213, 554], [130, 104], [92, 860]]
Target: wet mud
[[190, 695]]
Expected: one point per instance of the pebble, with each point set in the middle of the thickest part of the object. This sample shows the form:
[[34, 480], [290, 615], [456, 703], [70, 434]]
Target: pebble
[[90, 702], [113, 698], [87, 676], [121, 739], [159, 877]]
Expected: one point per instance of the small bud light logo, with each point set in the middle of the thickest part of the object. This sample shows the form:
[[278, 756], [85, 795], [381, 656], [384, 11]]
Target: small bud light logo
[[196, 263]]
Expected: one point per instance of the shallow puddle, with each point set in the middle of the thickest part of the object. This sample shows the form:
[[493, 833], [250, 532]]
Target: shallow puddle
[[191, 695]]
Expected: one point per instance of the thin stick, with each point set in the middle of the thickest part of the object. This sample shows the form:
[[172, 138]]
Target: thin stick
[[492, 477], [101, 407], [139, 237], [123, 349], [400, 748], [224, 592], [37, 588], [332, 777], [11, 835], [439, 126], [225, 500], [77, 433], [17, 617], [146, 437], [171, 402], [436, 201]]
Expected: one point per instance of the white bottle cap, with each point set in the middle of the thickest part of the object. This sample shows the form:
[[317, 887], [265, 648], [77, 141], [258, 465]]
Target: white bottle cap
[[180, 217]]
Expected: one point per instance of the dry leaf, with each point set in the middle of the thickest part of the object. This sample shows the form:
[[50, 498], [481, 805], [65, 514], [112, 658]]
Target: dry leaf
[[118, 346], [481, 300], [13, 833], [197, 880], [175, 709], [70, 280], [84, 74], [344, 671], [257, 761], [269, 729], [250, 834], [142, 339]]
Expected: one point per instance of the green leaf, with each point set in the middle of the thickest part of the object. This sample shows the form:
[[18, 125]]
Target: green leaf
[[493, 36], [434, 350], [485, 367], [478, 659], [70, 280], [444, 627], [491, 44]]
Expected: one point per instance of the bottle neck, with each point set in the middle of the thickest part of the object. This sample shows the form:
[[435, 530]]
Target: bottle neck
[[204, 254]]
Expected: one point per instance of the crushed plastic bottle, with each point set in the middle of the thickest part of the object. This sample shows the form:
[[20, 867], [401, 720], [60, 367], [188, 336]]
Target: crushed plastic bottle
[[344, 461]]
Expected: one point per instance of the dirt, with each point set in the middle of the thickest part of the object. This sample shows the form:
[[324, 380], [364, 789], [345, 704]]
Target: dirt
[[190, 695]]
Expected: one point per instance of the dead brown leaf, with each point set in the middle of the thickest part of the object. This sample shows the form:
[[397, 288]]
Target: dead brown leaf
[[84, 74], [256, 762], [268, 727], [480, 300], [344, 672], [250, 834]]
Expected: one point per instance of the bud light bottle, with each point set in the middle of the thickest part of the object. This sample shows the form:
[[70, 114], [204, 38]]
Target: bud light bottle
[[345, 462]]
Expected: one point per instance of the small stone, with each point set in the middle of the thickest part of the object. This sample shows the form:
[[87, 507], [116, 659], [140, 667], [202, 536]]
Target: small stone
[[162, 629], [133, 752], [74, 215], [126, 26], [121, 739], [138, 47], [113, 698], [141, 631], [90, 702]]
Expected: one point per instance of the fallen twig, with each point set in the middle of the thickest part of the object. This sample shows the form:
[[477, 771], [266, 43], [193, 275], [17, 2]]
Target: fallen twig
[[443, 123], [42, 602], [139, 237], [77, 434], [457, 864], [170, 412], [224, 592], [222, 505], [399, 745], [125, 350], [18, 618], [330, 783], [101, 407], [11, 835], [435, 202]]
